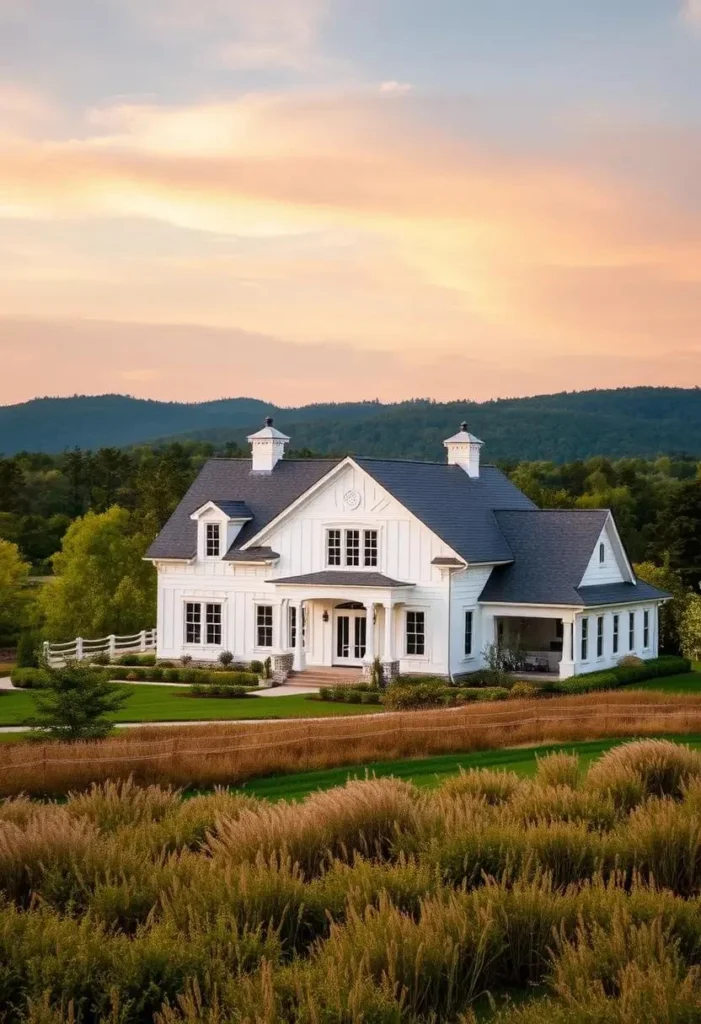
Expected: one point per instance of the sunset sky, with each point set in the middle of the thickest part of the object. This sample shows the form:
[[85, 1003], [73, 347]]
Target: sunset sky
[[307, 200]]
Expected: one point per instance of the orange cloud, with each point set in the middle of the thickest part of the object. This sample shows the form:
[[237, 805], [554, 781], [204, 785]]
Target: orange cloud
[[358, 223]]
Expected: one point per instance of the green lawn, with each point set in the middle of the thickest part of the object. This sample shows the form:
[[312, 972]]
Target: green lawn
[[169, 704], [688, 683], [431, 771]]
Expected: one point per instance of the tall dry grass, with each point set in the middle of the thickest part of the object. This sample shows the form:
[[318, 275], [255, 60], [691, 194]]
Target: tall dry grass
[[372, 902], [204, 756]]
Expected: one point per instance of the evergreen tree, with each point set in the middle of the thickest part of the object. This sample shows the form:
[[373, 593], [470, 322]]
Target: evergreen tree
[[76, 704]]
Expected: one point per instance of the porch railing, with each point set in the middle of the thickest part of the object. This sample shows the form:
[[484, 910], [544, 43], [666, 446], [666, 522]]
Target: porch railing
[[81, 649]]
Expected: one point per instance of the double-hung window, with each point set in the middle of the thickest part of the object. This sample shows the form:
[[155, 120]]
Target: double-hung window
[[631, 631], [264, 625], [416, 633], [616, 631], [333, 548], [198, 615], [585, 639], [646, 630], [468, 633], [600, 637], [212, 540], [352, 548]]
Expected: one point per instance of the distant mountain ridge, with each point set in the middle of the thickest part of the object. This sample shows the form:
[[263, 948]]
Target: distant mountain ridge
[[560, 427]]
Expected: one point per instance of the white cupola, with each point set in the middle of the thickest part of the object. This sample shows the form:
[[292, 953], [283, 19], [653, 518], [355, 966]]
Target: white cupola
[[464, 450], [267, 448]]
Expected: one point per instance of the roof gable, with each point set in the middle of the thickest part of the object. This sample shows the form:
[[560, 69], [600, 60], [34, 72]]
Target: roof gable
[[231, 480]]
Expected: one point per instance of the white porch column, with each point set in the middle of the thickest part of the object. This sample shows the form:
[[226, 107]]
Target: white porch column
[[284, 625], [389, 632], [567, 660], [369, 633], [298, 664]]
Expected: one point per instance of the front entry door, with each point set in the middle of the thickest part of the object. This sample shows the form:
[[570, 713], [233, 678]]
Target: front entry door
[[350, 640]]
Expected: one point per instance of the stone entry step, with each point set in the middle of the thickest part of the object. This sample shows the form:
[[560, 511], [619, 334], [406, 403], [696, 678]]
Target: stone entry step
[[322, 676]]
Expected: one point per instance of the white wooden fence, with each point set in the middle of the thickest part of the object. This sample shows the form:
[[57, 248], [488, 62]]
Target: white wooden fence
[[80, 648]]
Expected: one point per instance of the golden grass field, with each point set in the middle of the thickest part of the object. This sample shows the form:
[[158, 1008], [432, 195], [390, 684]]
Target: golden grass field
[[208, 755]]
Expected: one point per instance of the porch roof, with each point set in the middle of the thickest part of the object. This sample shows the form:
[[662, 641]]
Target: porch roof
[[342, 578]]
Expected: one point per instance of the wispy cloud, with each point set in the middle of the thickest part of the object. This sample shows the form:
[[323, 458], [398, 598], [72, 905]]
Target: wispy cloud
[[691, 12]]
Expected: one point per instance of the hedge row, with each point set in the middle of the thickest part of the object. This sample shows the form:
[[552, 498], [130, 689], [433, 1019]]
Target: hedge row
[[38, 678], [655, 668]]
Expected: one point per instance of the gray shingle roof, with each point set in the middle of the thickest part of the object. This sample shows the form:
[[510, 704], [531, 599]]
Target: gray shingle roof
[[552, 549], [456, 507], [266, 495], [620, 593], [234, 509], [343, 578], [261, 554]]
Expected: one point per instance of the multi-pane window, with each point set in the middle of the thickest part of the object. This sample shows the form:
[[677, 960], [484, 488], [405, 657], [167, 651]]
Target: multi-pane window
[[264, 625], [600, 637], [193, 623], [616, 627], [333, 547], [370, 548], [415, 633], [468, 633], [631, 631], [213, 623], [195, 615], [212, 540], [646, 630], [585, 639], [293, 625], [352, 547]]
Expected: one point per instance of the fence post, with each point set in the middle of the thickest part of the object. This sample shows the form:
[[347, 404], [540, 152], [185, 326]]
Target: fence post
[[46, 649], [78, 648], [112, 646], [142, 640]]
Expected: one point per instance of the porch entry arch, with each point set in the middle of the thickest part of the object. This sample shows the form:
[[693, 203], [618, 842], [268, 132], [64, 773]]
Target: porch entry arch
[[349, 633]]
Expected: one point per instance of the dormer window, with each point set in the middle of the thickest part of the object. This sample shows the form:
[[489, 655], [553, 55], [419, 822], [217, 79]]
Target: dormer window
[[602, 553], [212, 540]]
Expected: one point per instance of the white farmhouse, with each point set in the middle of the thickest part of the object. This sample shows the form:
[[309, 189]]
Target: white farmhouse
[[334, 562]]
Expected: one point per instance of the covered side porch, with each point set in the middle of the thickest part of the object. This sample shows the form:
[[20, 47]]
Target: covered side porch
[[341, 621], [533, 641]]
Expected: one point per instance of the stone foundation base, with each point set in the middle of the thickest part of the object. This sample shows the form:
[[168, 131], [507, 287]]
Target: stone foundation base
[[282, 666]]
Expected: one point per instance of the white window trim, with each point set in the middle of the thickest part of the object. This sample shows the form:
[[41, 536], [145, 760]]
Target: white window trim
[[256, 606], [417, 658], [205, 527], [647, 618], [471, 656], [362, 529], [203, 645], [584, 637], [601, 636]]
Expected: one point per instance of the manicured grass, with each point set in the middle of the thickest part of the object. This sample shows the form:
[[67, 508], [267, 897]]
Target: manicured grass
[[431, 771], [688, 683], [169, 704]]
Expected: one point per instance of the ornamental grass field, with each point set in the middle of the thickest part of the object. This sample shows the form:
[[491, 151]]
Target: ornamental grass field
[[573, 896], [224, 754]]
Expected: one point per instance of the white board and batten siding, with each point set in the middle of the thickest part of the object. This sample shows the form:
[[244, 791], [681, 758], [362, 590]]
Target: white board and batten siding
[[406, 549], [614, 567]]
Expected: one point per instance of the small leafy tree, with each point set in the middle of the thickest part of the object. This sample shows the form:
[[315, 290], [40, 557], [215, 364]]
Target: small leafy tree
[[76, 704], [13, 595], [690, 628], [672, 613]]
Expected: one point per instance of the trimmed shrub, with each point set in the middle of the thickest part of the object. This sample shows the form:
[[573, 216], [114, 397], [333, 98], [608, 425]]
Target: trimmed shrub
[[257, 667], [225, 658], [482, 677], [28, 648], [624, 674], [30, 678], [403, 697], [523, 691]]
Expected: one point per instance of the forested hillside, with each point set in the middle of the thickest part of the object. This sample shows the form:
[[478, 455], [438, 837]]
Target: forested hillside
[[564, 427]]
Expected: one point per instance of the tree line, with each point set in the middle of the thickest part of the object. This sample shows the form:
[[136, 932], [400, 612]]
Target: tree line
[[82, 520]]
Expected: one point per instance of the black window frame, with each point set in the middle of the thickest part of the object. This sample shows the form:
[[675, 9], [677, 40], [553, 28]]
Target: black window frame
[[600, 636], [264, 626], [352, 548], [469, 633], [616, 633], [212, 540], [213, 624], [646, 630], [334, 547], [193, 622], [631, 631], [371, 547], [584, 648], [415, 633], [602, 553]]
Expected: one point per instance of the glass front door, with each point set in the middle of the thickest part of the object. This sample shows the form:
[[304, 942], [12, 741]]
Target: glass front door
[[351, 634]]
